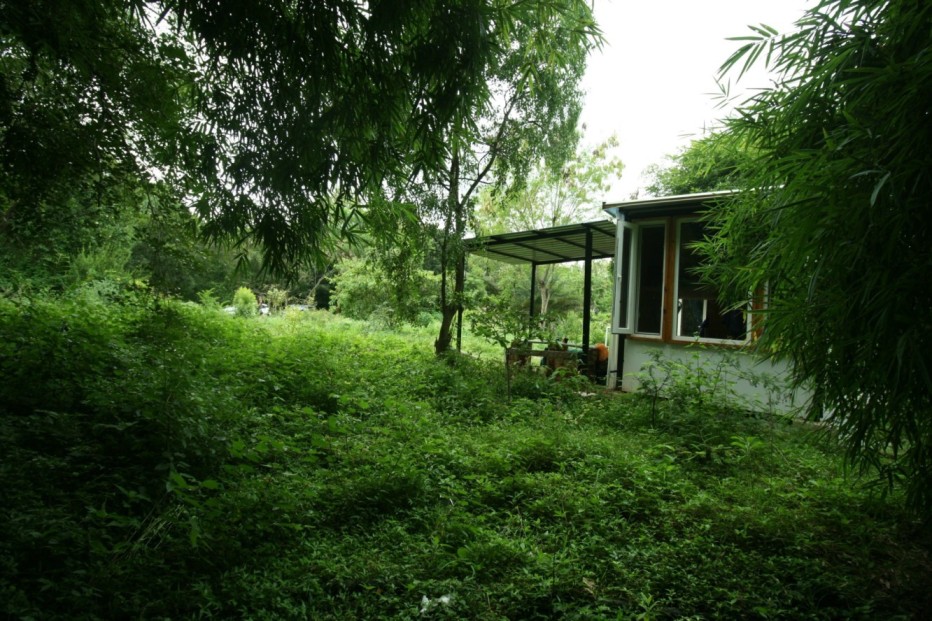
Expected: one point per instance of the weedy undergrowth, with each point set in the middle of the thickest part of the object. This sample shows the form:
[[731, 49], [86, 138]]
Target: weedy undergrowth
[[164, 460], [697, 398]]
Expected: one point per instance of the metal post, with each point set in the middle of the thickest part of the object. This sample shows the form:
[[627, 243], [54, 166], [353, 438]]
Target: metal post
[[533, 287], [587, 295]]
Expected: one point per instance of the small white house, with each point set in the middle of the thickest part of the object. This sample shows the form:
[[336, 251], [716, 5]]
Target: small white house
[[659, 303]]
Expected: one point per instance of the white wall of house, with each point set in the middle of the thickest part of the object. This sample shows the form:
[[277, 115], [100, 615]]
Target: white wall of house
[[637, 354]]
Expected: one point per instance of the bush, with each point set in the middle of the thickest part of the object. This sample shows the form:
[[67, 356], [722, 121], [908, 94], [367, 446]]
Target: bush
[[363, 290], [114, 419], [277, 299], [245, 303]]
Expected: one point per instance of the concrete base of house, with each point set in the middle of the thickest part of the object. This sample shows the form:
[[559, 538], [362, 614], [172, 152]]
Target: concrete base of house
[[755, 383]]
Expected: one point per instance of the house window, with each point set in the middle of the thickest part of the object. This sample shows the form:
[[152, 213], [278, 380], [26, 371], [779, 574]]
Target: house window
[[650, 278], [698, 311], [658, 292]]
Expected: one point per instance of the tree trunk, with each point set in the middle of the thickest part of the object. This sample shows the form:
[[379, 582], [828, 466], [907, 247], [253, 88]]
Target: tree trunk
[[544, 285], [451, 252], [544, 298], [449, 310]]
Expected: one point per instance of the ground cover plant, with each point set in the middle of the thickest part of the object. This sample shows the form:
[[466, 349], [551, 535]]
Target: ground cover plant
[[165, 460]]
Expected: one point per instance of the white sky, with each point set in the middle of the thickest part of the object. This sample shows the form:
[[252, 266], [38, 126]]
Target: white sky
[[653, 82]]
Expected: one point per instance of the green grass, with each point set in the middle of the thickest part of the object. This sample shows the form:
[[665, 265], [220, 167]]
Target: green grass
[[163, 461]]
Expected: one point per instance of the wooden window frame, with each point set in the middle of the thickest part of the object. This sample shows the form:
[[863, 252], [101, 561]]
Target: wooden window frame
[[671, 225]]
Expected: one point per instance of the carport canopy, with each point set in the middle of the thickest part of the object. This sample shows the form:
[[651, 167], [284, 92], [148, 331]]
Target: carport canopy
[[585, 242], [559, 244]]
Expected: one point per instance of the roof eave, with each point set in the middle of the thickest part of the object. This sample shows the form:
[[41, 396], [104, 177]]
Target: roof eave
[[665, 205]]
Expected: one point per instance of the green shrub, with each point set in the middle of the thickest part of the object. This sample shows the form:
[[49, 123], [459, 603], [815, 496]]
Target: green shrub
[[208, 299], [363, 290], [245, 303], [277, 299], [113, 426]]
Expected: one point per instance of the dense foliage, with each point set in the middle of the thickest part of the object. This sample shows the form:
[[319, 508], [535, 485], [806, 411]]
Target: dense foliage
[[165, 460], [363, 291], [711, 163], [275, 120], [840, 238]]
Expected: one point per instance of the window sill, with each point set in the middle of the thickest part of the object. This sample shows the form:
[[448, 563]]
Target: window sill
[[722, 344]]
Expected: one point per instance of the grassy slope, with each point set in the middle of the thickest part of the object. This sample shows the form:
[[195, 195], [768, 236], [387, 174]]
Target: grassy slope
[[161, 460]]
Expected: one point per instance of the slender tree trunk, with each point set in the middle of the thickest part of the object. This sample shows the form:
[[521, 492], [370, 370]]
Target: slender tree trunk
[[442, 344], [544, 298], [544, 285], [450, 254], [312, 294]]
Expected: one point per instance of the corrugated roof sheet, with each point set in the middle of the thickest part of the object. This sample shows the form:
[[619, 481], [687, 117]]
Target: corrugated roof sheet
[[561, 244], [558, 244]]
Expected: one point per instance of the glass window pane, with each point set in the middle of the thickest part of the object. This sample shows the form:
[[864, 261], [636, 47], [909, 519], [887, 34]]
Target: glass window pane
[[698, 310], [650, 279]]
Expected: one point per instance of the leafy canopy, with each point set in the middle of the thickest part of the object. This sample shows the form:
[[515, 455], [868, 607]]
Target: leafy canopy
[[273, 119], [840, 238], [531, 116], [552, 197], [710, 163]]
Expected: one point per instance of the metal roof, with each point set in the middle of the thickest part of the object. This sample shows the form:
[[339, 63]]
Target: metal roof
[[559, 244], [665, 206]]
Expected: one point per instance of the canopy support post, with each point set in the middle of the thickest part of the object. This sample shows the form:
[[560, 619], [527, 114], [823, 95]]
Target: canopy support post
[[533, 287], [587, 295]]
